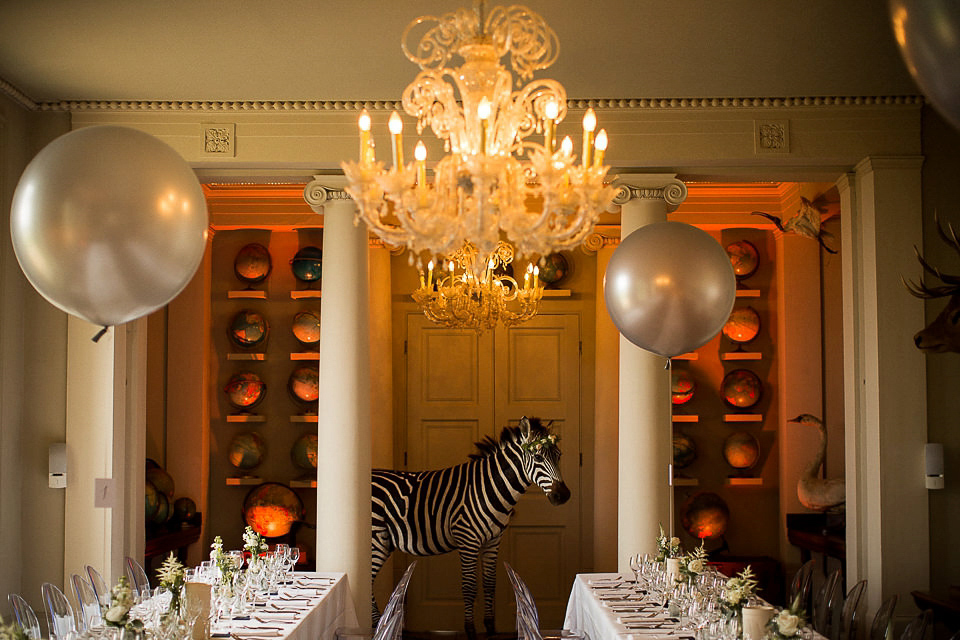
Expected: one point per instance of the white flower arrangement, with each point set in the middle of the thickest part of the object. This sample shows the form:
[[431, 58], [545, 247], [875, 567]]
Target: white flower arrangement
[[788, 622], [221, 560], [254, 543], [121, 601], [12, 631], [537, 446], [738, 590], [693, 563], [667, 547], [172, 575]]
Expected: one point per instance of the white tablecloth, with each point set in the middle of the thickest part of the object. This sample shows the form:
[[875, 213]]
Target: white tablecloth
[[587, 612]]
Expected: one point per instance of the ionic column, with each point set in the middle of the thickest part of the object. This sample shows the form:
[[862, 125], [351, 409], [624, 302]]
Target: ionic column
[[645, 431], [343, 429]]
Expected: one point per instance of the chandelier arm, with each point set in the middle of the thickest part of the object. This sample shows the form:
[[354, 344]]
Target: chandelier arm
[[531, 43], [442, 40]]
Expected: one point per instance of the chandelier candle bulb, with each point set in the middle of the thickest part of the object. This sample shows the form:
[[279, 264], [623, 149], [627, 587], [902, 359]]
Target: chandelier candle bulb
[[601, 146], [483, 112], [550, 112], [396, 136], [430, 275], [589, 124], [363, 122]]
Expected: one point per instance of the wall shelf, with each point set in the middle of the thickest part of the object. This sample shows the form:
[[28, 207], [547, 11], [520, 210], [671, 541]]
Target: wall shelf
[[247, 356], [744, 482], [246, 481], [743, 417], [247, 294], [686, 482], [748, 293], [246, 417], [305, 355], [304, 419], [303, 484], [305, 294], [557, 293], [686, 418], [742, 355]]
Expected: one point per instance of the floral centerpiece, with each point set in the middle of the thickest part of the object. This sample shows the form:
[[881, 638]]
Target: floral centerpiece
[[12, 631], [667, 547], [788, 623], [738, 591], [254, 544], [172, 576], [693, 563], [222, 561], [121, 601]]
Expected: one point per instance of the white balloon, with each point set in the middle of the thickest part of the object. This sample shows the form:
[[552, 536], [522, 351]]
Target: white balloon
[[669, 288], [108, 223]]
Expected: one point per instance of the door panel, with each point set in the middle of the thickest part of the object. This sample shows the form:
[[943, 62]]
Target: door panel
[[462, 387]]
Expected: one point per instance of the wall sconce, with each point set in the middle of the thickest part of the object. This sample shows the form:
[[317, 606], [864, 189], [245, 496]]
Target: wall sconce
[[933, 460]]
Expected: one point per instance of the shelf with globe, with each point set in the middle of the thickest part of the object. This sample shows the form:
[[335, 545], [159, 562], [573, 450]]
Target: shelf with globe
[[303, 454], [245, 453], [306, 329], [245, 390], [252, 266], [307, 267], [741, 389], [248, 332], [741, 450]]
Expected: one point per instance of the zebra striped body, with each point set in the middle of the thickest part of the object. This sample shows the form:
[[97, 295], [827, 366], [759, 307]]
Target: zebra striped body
[[465, 508]]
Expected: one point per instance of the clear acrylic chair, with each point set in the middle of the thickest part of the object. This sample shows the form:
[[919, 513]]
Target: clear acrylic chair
[[100, 588], [528, 618], [87, 600], [25, 616], [880, 629], [917, 628], [802, 585], [852, 613], [390, 626], [826, 608], [139, 581], [61, 622]]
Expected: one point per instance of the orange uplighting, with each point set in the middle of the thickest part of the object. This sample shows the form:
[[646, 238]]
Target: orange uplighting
[[270, 521]]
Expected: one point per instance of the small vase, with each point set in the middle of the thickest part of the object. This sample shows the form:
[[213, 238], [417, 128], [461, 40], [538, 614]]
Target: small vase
[[754, 621]]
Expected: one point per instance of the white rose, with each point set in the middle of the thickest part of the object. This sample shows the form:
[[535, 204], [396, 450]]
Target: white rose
[[674, 542], [115, 614], [787, 623], [695, 566]]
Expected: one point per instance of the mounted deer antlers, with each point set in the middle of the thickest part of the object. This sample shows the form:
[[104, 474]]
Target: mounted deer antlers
[[943, 334]]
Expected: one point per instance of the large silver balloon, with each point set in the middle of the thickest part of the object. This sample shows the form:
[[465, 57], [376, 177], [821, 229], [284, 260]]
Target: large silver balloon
[[669, 288], [928, 32], [108, 223]]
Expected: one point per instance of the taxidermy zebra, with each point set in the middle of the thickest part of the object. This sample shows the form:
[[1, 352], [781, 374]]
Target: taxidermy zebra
[[465, 508]]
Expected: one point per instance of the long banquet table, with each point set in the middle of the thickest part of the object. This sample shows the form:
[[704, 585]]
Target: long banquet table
[[311, 608], [587, 612]]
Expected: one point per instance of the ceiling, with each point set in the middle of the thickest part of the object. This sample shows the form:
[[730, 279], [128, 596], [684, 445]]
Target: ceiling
[[235, 50]]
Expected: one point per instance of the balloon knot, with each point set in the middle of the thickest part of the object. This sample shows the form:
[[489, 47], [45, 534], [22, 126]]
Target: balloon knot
[[100, 333]]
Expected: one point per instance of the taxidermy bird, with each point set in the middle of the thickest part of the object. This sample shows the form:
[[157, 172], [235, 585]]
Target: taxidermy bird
[[805, 222], [815, 492]]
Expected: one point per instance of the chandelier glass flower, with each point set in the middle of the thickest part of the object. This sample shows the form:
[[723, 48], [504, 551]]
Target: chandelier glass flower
[[453, 295], [503, 172]]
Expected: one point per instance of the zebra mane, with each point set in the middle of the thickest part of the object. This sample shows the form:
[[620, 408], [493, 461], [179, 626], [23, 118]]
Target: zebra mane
[[488, 446]]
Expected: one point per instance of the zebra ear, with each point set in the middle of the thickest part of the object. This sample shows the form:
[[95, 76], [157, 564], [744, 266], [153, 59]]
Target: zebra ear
[[525, 428]]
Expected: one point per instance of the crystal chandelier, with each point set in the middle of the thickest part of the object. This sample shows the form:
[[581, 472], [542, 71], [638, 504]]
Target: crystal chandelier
[[493, 168], [453, 295]]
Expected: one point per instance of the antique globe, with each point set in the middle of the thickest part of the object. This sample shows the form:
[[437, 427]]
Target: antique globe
[[741, 450], [744, 258], [164, 509], [682, 386], [705, 515], [741, 388], [246, 451], [306, 327], [151, 500], [272, 509], [684, 450], [304, 383], [307, 264], [252, 264], [248, 329], [245, 390], [743, 325], [184, 509], [553, 268], [304, 452], [161, 480]]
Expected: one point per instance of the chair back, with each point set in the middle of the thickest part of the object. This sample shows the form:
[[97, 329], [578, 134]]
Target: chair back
[[61, 623], [826, 608], [390, 626], [528, 618], [25, 616], [916, 629], [852, 613], [880, 629], [802, 585], [87, 599], [100, 588], [139, 581]]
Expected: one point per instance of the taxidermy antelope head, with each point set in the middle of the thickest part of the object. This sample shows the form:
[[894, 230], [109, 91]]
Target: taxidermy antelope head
[[943, 334]]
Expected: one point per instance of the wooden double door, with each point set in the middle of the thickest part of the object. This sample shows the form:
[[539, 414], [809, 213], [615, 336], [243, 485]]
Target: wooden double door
[[462, 387]]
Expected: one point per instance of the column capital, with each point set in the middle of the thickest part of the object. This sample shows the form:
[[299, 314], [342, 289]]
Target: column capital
[[318, 192], [664, 187]]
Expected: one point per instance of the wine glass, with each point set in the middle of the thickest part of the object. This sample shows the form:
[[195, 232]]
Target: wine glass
[[236, 556]]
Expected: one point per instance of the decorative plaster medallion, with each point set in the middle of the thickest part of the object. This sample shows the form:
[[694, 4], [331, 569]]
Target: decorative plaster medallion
[[218, 139], [771, 136]]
